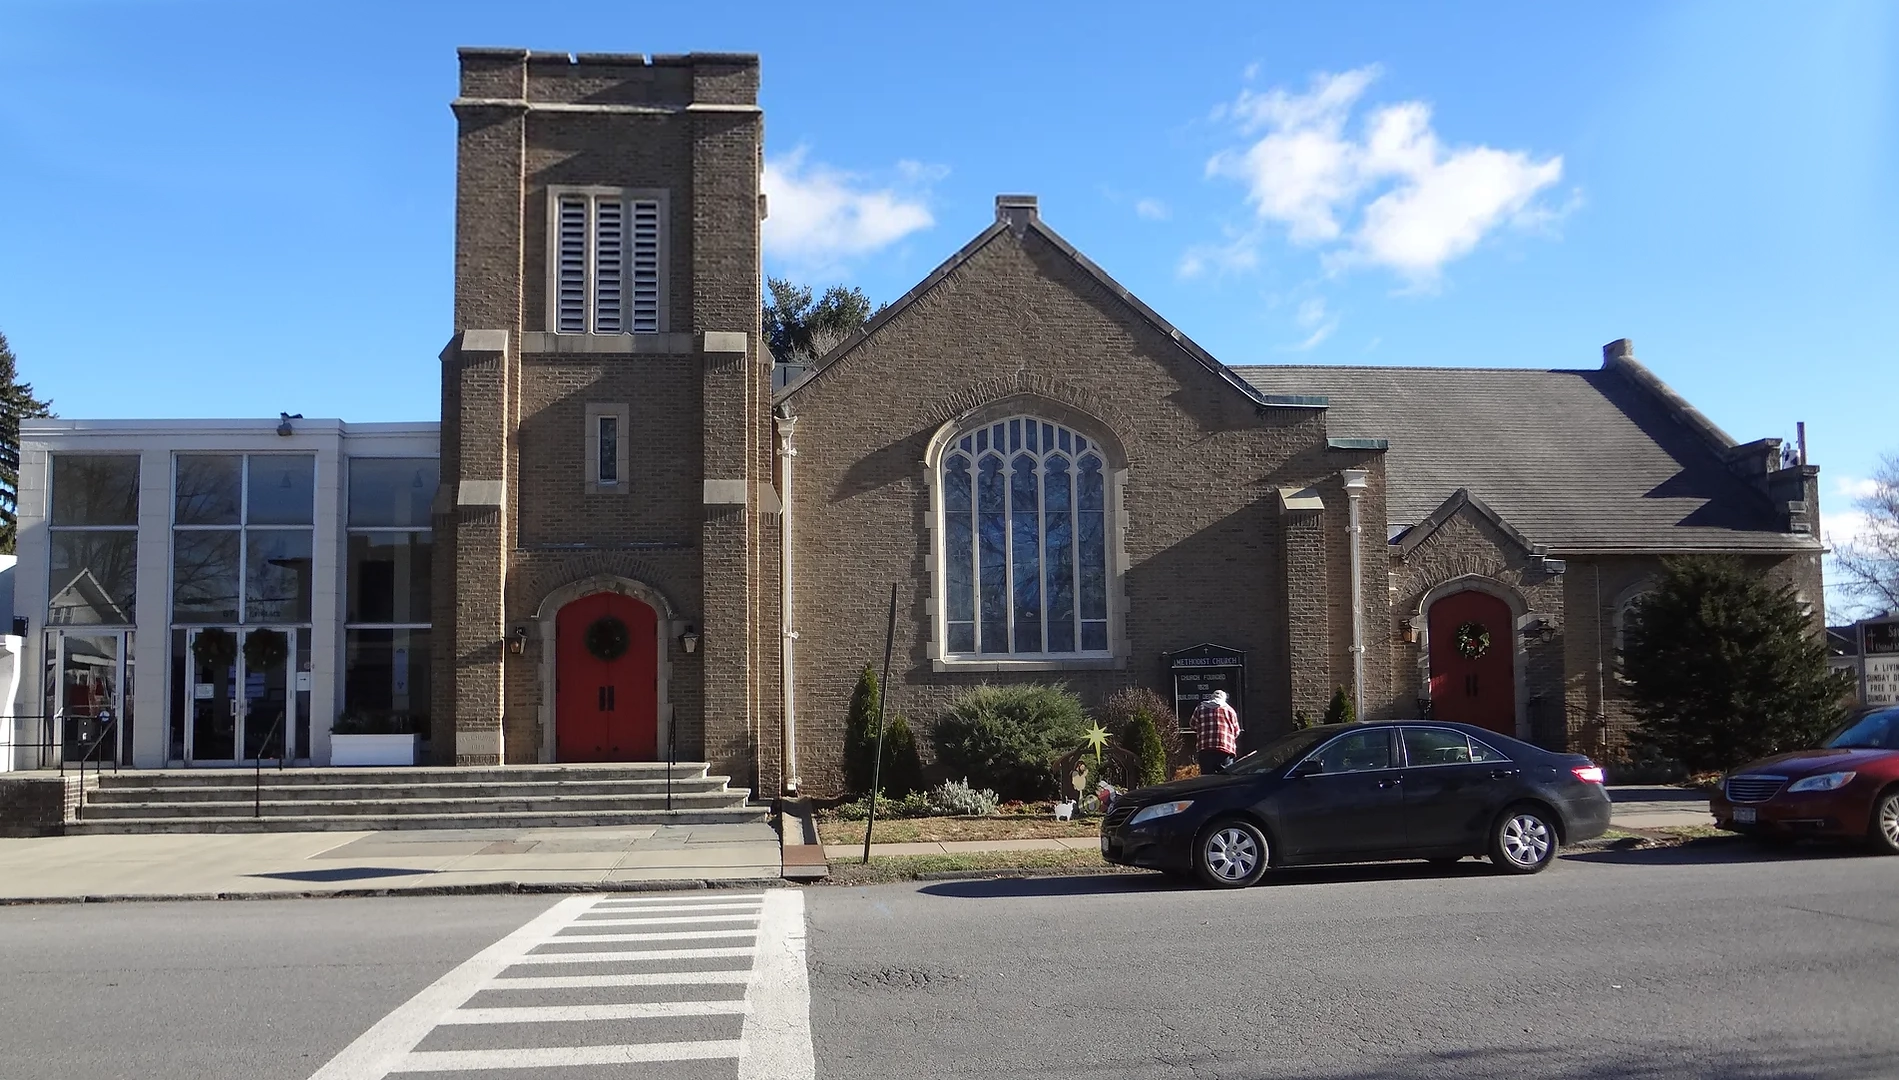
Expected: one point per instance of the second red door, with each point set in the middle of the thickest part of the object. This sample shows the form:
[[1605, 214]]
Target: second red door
[[606, 671], [1473, 678]]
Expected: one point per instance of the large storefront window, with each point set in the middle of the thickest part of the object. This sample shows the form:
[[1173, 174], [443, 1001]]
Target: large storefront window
[[94, 531], [92, 586], [389, 574], [242, 558]]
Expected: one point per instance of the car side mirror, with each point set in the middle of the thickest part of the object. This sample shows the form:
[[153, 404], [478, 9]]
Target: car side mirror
[[1308, 767]]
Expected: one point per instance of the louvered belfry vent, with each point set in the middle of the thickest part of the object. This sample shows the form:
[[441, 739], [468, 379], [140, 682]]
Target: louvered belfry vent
[[593, 294], [646, 266], [571, 315], [609, 248]]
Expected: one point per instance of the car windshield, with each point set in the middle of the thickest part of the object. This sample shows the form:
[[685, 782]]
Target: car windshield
[[1874, 731], [1281, 750]]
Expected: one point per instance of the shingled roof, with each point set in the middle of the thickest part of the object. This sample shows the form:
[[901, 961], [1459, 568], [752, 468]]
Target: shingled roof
[[1577, 461]]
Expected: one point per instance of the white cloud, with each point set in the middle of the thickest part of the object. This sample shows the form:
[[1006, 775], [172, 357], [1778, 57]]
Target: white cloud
[[820, 215], [1390, 194], [1853, 487], [1238, 254], [1153, 210], [1318, 323]]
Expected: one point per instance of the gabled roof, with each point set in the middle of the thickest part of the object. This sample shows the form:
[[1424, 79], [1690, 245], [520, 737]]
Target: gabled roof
[[85, 593], [1460, 499], [1578, 461], [1018, 215]]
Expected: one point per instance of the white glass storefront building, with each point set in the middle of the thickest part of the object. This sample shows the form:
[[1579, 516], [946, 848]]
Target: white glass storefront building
[[218, 592]]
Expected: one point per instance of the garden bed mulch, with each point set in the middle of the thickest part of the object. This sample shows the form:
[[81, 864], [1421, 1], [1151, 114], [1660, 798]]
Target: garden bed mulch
[[885, 869], [936, 829]]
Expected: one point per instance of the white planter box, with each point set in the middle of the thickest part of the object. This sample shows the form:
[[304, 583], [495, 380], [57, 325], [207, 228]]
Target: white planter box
[[374, 749]]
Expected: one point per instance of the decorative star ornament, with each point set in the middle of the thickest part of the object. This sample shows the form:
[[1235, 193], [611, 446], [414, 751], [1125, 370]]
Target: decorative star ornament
[[1097, 737]]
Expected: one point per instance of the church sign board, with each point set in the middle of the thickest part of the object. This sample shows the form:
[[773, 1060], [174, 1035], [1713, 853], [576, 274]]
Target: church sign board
[[1879, 661], [1198, 672]]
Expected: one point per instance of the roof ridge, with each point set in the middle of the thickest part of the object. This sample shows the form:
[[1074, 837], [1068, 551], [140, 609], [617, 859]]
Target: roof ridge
[[1021, 218], [1406, 367]]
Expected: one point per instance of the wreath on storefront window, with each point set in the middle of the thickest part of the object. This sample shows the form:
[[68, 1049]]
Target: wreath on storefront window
[[607, 638], [265, 649], [214, 648], [1472, 640]]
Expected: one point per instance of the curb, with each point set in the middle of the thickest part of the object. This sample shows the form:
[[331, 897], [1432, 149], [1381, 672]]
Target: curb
[[497, 888], [1028, 872]]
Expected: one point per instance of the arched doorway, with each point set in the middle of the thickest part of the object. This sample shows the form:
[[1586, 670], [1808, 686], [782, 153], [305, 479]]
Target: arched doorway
[[1473, 673], [606, 672]]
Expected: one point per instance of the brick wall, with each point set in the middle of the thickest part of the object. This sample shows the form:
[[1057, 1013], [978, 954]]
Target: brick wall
[[39, 804], [519, 416], [1019, 321]]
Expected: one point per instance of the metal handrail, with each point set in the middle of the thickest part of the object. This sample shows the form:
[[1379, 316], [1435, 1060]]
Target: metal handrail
[[257, 782], [111, 727]]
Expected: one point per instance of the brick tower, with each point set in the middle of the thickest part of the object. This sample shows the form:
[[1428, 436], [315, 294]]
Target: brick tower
[[600, 584]]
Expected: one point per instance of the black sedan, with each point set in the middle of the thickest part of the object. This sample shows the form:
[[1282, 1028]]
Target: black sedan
[[1363, 793]]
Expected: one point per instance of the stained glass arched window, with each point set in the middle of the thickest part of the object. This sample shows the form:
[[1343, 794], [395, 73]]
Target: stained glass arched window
[[1025, 566]]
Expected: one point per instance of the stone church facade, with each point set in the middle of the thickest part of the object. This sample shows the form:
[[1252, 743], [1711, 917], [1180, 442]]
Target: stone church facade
[[1149, 498], [640, 551]]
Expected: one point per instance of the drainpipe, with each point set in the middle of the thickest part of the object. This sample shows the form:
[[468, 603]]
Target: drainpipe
[[789, 637], [1355, 488]]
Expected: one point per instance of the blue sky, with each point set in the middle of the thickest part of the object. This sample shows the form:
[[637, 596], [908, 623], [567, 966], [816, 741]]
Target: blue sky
[[228, 209]]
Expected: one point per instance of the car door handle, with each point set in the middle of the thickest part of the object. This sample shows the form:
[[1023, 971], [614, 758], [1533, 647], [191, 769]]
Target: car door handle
[[1502, 774], [1392, 782]]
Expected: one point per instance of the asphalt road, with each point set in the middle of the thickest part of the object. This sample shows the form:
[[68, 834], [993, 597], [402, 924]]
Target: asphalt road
[[1642, 964]]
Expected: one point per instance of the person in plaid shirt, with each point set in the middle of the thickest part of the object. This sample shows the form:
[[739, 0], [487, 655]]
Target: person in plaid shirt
[[1219, 733]]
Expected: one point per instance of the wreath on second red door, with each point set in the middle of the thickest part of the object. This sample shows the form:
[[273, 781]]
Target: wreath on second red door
[[607, 638], [1472, 640]]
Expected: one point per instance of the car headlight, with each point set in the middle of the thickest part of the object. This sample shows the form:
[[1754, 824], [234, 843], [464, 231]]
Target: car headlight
[[1832, 781], [1160, 810]]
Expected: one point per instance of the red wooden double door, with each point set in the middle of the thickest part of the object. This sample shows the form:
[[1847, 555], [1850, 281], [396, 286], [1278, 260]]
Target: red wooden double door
[[606, 680], [1473, 675]]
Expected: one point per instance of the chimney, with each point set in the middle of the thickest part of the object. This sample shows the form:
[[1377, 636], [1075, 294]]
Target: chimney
[[1016, 211]]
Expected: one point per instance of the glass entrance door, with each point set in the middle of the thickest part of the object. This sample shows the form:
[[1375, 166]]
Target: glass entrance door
[[241, 703], [267, 719], [90, 694]]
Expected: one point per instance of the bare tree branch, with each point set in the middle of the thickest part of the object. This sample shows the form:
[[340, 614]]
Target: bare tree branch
[[1869, 564]]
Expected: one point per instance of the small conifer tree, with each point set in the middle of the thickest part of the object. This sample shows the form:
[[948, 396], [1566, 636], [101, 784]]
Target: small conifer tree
[[1143, 739], [1723, 667], [1341, 710], [860, 734]]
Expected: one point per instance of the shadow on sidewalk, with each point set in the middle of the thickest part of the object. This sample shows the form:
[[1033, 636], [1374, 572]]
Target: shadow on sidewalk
[[1110, 884], [1715, 851], [1076, 885], [343, 873]]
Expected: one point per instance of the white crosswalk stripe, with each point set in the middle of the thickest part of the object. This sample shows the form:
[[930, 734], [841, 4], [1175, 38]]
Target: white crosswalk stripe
[[688, 1002]]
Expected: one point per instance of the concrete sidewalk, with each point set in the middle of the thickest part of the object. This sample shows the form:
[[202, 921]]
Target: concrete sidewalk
[[1658, 808], [244, 864]]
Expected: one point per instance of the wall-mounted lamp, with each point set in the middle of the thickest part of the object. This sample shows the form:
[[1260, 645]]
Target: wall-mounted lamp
[[690, 639], [517, 641], [283, 423], [1538, 628]]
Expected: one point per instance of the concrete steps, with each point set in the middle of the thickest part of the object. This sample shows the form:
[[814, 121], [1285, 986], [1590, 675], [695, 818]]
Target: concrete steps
[[297, 800]]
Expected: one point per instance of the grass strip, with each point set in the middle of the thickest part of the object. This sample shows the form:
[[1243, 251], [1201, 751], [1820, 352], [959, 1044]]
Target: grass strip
[[936, 829], [889, 868]]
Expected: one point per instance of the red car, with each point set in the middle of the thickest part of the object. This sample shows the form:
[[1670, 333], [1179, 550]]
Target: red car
[[1848, 789]]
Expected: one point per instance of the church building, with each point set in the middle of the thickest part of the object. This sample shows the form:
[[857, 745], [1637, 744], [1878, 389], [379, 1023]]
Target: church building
[[621, 543]]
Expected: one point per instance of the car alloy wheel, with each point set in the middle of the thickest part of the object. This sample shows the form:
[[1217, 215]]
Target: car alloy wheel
[[1885, 831], [1524, 843], [1232, 854]]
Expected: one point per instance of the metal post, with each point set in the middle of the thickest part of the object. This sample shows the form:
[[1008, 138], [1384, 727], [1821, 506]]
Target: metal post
[[883, 698]]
